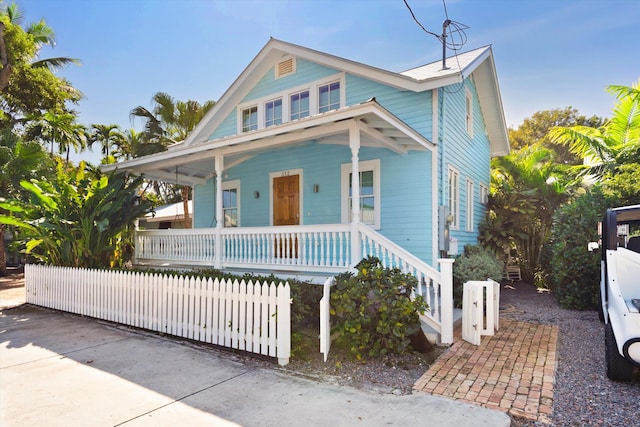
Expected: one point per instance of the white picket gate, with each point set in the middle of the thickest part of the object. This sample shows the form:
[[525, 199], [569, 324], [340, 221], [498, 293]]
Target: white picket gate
[[249, 316]]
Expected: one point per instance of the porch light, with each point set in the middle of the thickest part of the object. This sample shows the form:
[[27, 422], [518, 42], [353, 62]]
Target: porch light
[[316, 188], [256, 194]]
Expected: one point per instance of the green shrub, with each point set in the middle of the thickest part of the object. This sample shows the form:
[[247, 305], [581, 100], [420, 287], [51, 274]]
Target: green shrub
[[476, 263], [575, 272], [373, 310]]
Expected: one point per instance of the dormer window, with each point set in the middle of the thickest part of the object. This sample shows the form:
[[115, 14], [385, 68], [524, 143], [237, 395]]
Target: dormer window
[[273, 112], [292, 104], [300, 105], [250, 119], [329, 97]]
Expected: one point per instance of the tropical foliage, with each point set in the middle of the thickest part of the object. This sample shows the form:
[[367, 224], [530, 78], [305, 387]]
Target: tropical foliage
[[526, 188], [77, 219], [574, 272]]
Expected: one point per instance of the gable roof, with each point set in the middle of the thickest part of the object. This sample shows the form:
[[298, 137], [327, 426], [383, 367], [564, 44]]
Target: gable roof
[[419, 79]]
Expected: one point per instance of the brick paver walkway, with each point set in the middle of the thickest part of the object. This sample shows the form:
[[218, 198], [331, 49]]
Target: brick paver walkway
[[512, 371]]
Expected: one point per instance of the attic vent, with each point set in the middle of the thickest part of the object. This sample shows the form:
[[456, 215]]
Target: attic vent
[[286, 67]]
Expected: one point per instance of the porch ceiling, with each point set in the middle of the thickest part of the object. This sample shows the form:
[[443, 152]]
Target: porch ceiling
[[194, 164]]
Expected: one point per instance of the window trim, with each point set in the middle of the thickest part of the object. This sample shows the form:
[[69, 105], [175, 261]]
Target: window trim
[[230, 185], [273, 101], [240, 117], [469, 217], [312, 87], [454, 204], [484, 194], [363, 166], [308, 91]]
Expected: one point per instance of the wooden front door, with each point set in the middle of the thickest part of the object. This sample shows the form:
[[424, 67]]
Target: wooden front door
[[286, 200], [286, 211]]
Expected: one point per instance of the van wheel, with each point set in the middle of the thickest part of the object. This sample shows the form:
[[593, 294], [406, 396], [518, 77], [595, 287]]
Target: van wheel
[[618, 368]]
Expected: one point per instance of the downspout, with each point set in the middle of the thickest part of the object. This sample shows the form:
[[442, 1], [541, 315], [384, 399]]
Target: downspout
[[434, 175]]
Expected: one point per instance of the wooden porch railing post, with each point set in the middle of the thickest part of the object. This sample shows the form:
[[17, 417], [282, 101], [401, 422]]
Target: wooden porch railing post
[[219, 213], [446, 300], [354, 144]]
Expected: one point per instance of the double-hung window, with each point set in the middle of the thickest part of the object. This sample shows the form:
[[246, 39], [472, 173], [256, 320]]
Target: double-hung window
[[273, 112], [299, 105], [231, 203], [250, 119], [369, 172], [454, 197], [328, 97]]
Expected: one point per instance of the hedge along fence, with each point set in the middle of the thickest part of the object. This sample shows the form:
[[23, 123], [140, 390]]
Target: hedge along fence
[[249, 316]]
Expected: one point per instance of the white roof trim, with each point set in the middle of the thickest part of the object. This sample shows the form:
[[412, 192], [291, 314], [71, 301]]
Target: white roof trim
[[419, 79], [161, 165]]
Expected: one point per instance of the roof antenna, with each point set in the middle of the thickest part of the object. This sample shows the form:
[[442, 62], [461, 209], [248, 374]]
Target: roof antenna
[[443, 39]]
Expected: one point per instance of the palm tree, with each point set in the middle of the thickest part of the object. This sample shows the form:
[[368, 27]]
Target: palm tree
[[170, 122], [107, 136], [58, 128], [610, 145], [42, 35]]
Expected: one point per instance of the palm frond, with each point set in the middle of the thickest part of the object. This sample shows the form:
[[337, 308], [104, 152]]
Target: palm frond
[[55, 63]]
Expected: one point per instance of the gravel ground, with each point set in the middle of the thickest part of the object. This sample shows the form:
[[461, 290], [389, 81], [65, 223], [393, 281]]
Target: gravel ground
[[583, 395]]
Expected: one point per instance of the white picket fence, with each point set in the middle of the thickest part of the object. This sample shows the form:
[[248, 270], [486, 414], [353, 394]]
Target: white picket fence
[[249, 316]]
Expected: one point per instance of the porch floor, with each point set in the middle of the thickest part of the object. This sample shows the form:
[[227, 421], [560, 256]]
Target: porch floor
[[512, 371]]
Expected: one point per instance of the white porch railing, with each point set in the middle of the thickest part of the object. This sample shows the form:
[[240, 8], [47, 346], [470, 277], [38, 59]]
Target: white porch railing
[[323, 248], [249, 316]]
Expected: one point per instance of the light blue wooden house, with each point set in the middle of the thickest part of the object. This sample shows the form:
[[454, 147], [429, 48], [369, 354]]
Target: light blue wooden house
[[310, 162]]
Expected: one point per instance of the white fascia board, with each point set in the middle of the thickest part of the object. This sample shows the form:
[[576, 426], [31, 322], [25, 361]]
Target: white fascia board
[[275, 49], [308, 128]]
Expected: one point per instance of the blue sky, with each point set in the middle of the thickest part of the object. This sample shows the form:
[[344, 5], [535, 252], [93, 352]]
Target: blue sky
[[548, 53]]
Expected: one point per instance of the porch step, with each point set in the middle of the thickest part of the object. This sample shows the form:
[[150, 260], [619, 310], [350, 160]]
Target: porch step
[[431, 333]]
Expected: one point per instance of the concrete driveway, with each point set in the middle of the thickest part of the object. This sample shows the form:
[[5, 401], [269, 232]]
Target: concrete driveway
[[58, 369]]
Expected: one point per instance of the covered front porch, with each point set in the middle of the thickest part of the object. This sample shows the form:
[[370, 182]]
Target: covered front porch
[[281, 242]]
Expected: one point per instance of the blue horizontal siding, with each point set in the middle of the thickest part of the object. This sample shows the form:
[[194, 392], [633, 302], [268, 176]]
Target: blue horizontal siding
[[405, 191], [412, 108], [306, 72], [470, 155]]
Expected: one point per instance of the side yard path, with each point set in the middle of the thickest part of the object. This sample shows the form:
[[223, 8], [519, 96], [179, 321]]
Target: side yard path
[[545, 366], [512, 371]]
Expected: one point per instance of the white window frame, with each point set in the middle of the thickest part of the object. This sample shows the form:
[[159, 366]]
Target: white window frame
[[453, 196], [309, 102], [313, 89], [484, 194], [363, 166], [470, 202], [273, 100], [240, 114], [231, 185], [468, 112], [328, 85]]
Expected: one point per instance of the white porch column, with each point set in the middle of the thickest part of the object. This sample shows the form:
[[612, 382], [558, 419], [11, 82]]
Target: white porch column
[[354, 144], [219, 166], [446, 300]]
